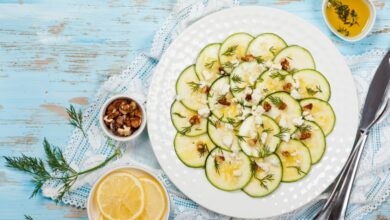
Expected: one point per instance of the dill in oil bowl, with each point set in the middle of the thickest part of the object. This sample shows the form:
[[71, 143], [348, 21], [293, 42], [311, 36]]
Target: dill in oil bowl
[[348, 17]]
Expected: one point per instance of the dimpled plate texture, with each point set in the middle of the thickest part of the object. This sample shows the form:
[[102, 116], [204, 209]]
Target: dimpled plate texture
[[215, 28]]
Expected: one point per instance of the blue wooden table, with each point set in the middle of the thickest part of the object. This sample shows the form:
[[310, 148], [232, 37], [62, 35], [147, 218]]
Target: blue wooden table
[[56, 53]]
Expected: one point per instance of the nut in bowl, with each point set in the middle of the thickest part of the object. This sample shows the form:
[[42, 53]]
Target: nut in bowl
[[128, 193], [122, 118]]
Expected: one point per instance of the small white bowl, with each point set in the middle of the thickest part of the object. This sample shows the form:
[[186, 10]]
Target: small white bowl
[[366, 30], [92, 210], [107, 130]]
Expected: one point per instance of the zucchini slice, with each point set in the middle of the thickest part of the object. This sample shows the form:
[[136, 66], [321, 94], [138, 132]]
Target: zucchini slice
[[193, 151], [296, 160], [233, 49], [257, 137], [207, 63], [228, 171], [283, 116], [243, 80], [267, 175], [312, 84], [189, 89], [181, 116], [298, 58], [266, 46], [275, 81], [222, 134], [313, 138], [222, 103], [320, 112]]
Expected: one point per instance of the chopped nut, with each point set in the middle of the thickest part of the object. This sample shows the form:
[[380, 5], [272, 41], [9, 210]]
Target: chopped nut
[[305, 135], [286, 153], [125, 131], [195, 119], [107, 120], [219, 159], [224, 101], [248, 97], [205, 89], [248, 58], [285, 64], [267, 107], [252, 142], [119, 121], [308, 106], [287, 87], [135, 122], [282, 106], [201, 147]]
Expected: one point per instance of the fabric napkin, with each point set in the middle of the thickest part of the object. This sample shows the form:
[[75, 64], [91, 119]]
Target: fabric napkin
[[373, 181]]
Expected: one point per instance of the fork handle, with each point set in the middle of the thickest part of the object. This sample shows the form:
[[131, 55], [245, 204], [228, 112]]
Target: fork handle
[[344, 193]]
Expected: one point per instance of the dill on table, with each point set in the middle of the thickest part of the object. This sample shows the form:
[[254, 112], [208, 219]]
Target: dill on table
[[55, 167], [76, 118]]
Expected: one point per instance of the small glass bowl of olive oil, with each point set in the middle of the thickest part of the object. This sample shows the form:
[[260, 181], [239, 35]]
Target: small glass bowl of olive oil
[[351, 20]]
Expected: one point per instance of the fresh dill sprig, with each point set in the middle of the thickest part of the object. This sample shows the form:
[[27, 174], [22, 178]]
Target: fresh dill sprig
[[241, 138], [27, 217], [216, 165], [228, 65], [54, 168], [210, 64], [263, 181], [231, 121], [298, 169], [236, 78], [178, 115], [282, 132], [264, 151], [259, 59], [76, 118], [312, 91], [241, 102], [230, 51], [304, 128], [253, 167], [272, 50], [343, 30], [238, 89], [203, 150], [194, 86], [185, 130], [267, 130], [276, 101], [278, 75], [344, 12]]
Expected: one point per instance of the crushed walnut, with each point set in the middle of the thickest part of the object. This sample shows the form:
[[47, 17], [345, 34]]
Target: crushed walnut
[[248, 58], [305, 135], [287, 87], [267, 107], [285, 65], [308, 106], [123, 117], [224, 101]]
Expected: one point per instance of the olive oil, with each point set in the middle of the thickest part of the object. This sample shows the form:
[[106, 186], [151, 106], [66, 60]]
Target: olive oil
[[348, 17]]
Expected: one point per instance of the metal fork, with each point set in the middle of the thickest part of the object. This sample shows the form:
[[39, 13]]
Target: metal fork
[[336, 205]]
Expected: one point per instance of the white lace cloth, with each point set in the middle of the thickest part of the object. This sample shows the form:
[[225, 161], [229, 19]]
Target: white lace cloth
[[371, 188]]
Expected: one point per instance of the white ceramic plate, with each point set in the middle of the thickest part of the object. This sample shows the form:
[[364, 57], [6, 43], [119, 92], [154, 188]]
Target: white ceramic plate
[[215, 28]]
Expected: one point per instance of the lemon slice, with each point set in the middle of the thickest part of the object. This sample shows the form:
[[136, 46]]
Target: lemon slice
[[155, 202], [120, 196]]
